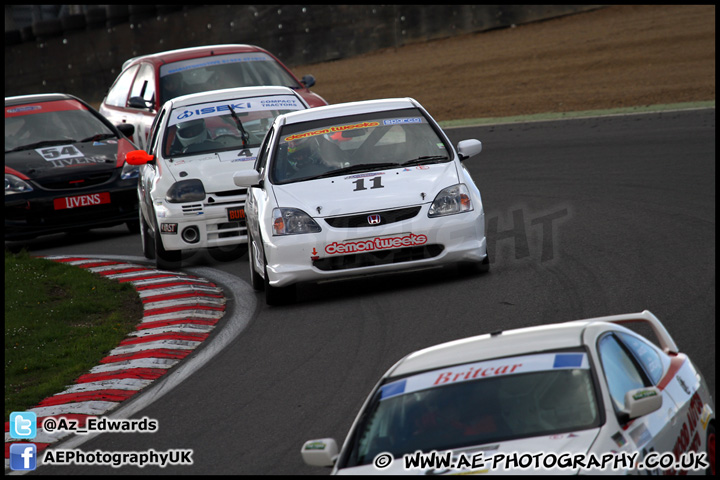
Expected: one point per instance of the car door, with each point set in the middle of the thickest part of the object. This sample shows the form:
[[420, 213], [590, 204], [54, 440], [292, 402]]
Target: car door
[[149, 171], [113, 106], [141, 104], [682, 384], [257, 199], [622, 371]]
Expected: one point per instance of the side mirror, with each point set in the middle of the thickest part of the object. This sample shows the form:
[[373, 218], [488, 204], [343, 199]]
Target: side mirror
[[138, 157], [642, 401], [126, 129], [468, 148], [320, 453], [308, 81], [139, 102], [247, 178]]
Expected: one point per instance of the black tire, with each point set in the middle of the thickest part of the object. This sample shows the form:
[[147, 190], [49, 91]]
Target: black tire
[[475, 268], [165, 259], [256, 280], [133, 226], [148, 243], [278, 295], [710, 450]]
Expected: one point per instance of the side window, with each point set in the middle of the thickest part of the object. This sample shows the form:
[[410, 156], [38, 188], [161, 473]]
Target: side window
[[154, 130], [648, 357], [264, 151], [118, 94], [621, 373], [144, 85]]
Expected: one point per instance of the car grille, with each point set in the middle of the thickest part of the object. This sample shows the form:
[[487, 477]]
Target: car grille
[[76, 183], [231, 193], [192, 209], [386, 217], [226, 230], [383, 257]]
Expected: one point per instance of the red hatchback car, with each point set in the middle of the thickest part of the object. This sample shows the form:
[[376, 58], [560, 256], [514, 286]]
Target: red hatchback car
[[148, 81]]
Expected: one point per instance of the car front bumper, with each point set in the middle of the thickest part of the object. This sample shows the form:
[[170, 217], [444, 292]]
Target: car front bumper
[[340, 253], [201, 225], [34, 214]]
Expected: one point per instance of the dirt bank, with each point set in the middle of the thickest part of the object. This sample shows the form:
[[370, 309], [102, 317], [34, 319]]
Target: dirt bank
[[618, 56]]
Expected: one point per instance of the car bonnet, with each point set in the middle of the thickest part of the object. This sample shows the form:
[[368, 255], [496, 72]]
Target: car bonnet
[[69, 159], [214, 169], [361, 192]]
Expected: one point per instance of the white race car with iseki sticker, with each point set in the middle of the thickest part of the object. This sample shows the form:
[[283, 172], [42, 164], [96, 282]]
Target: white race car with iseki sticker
[[589, 396], [187, 196], [356, 189]]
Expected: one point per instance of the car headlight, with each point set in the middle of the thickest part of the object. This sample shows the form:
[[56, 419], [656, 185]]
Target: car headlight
[[291, 221], [129, 171], [186, 191], [451, 200], [15, 185]]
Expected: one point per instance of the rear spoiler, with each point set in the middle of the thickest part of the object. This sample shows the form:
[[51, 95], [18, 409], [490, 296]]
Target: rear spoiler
[[664, 339]]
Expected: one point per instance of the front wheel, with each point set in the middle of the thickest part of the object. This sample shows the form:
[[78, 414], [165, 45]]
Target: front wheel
[[475, 267], [256, 280], [711, 450], [165, 259], [133, 226], [278, 295], [148, 243]]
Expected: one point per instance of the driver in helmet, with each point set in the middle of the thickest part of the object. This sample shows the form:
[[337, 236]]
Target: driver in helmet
[[191, 134], [303, 152]]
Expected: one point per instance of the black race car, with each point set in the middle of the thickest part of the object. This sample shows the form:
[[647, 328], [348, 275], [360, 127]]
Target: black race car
[[65, 168]]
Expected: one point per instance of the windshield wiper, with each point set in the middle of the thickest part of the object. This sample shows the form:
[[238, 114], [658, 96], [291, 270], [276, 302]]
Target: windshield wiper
[[244, 135], [43, 143], [426, 159], [363, 167], [97, 137]]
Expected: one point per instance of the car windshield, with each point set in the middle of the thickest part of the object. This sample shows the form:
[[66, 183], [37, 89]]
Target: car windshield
[[226, 125], [357, 143], [51, 123], [222, 71], [475, 404]]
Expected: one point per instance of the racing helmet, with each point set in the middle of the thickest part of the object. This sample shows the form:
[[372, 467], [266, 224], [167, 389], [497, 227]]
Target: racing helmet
[[192, 132], [300, 151]]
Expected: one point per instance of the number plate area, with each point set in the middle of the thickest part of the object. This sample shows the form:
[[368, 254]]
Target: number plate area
[[79, 201], [236, 214]]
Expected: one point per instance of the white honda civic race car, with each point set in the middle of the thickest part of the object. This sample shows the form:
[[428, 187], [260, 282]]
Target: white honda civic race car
[[589, 397], [187, 197], [355, 189]]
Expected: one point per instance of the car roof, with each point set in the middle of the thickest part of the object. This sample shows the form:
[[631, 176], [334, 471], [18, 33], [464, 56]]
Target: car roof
[[37, 98], [230, 93], [511, 342], [171, 56], [351, 108]]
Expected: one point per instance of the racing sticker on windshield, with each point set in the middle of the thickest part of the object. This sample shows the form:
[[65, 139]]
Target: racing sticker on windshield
[[377, 243], [276, 102], [323, 131], [216, 60], [400, 121], [59, 152], [52, 106], [486, 369]]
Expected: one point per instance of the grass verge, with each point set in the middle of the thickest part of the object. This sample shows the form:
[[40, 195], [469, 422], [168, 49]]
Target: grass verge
[[60, 321]]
